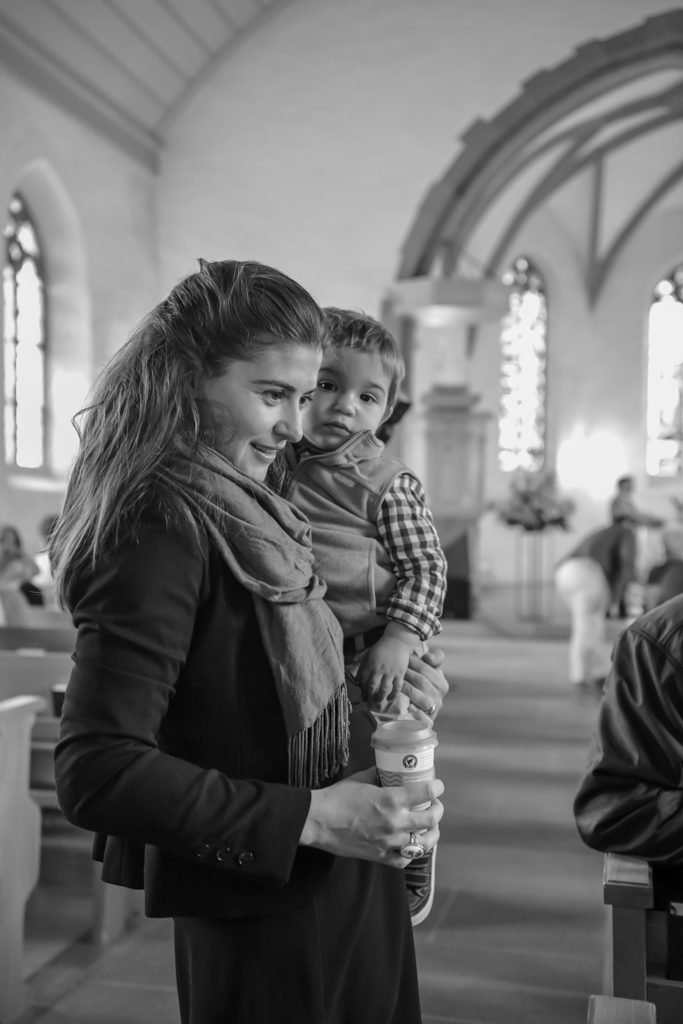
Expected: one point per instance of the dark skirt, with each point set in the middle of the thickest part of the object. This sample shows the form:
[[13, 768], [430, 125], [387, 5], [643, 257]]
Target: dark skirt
[[346, 956]]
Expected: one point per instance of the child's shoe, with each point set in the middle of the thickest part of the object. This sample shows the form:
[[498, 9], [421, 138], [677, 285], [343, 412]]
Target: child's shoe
[[419, 878]]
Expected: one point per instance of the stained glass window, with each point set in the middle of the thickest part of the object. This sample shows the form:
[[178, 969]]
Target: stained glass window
[[522, 421], [23, 340], [664, 456]]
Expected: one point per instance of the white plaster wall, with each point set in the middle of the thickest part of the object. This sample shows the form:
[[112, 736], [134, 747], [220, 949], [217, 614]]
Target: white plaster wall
[[95, 208]]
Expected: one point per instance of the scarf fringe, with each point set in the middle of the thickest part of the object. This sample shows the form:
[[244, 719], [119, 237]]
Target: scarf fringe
[[319, 752]]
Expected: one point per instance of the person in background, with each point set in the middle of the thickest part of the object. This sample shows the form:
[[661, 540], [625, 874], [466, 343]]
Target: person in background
[[43, 580], [623, 508], [665, 577], [205, 731], [374, 539], [16, 567], [592, 577], [630, 798], [623, 511]]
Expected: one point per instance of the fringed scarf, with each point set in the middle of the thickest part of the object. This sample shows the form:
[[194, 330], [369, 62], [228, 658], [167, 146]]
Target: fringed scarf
[[266, 543]]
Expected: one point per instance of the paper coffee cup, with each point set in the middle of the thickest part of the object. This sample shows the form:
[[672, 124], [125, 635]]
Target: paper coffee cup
[[404, 751]]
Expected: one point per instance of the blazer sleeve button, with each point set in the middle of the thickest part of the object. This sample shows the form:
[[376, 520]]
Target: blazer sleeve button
[[245, 857], [203, 849], [223, 853]]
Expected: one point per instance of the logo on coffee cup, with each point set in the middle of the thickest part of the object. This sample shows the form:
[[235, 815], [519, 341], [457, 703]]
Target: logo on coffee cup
[[410, 761]]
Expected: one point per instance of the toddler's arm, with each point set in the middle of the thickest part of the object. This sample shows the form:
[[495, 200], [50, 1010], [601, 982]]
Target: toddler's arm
[[406, 529], [380, 674]]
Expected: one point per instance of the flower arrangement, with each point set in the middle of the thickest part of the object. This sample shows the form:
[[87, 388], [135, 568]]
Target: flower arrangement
[[533, 502]]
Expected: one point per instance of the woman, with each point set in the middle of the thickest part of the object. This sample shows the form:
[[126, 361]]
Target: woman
[[16, 567], [204, 733], [17, 570]]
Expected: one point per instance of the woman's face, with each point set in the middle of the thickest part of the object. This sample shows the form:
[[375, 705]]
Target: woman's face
[[263, 401]]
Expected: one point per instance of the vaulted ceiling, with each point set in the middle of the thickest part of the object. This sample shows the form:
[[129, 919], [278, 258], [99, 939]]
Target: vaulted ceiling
[[125, 66]]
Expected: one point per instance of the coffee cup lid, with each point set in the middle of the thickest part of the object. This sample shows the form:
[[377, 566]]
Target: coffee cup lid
[[408, 729]]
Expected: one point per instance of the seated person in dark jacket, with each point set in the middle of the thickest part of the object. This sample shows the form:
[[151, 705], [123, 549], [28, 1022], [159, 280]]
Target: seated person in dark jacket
[[630, 799]]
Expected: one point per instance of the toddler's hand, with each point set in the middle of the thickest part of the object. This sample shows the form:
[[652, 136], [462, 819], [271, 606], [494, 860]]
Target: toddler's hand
[[381, 671]]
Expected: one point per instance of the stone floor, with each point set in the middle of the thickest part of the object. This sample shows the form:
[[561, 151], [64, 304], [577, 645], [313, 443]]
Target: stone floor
[[516, 932]]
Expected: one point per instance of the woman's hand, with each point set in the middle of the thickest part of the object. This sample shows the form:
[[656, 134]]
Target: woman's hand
[[425, 685], [357, 818]]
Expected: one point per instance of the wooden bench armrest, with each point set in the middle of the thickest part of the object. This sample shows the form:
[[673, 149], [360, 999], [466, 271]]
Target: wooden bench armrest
[[612, 1010], [627, 881], [628, 894]]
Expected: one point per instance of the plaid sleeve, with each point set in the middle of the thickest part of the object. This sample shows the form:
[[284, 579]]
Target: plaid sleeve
[[406, 529]]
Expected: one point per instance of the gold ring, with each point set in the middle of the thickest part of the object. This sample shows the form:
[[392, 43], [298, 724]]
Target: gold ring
[[413, 848], [431, 709]]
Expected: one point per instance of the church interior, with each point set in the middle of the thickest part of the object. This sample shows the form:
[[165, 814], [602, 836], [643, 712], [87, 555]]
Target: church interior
[[502, 186]]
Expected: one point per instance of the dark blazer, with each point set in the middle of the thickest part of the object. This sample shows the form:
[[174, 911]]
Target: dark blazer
[[630, 799], [172, 741]]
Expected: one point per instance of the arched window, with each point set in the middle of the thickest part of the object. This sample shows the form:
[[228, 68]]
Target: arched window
[[24, 334], [521, 424], [664, 455]]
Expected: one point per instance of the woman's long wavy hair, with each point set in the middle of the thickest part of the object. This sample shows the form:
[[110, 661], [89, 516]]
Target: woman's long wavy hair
[[143, 407]]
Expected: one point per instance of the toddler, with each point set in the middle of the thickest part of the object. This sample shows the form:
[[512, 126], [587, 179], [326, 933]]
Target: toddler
[[374, 538]]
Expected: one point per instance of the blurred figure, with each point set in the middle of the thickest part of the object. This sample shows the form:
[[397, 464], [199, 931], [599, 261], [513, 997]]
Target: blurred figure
[[665, 578], [16, 567], [43, 580], [672, 534], [664, 581], [623, 510], [589, 579]]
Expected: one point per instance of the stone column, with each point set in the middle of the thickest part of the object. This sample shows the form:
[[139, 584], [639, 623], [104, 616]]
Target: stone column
[[443, 437]]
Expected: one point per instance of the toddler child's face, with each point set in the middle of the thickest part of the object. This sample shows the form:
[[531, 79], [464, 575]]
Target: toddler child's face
[[352, 395]]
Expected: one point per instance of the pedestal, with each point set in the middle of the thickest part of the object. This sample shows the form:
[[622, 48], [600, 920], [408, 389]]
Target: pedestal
[[533, 590]]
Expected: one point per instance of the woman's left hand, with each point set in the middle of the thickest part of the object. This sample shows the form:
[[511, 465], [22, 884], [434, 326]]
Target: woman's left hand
[[425, 684]]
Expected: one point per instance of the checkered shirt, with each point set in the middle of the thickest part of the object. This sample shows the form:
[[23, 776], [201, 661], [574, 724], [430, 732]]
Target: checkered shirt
[[407, 532]]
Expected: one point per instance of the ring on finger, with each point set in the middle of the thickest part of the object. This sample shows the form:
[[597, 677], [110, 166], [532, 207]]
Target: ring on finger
[[413, 848], [431, 709]]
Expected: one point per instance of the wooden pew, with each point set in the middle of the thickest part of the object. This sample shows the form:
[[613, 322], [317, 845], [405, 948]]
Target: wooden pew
[[114, 910], [22, 625], [42, 768], [19, 846], [612, 1010], [638, 947], [32, 672], [37, 673], [45, 638]]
